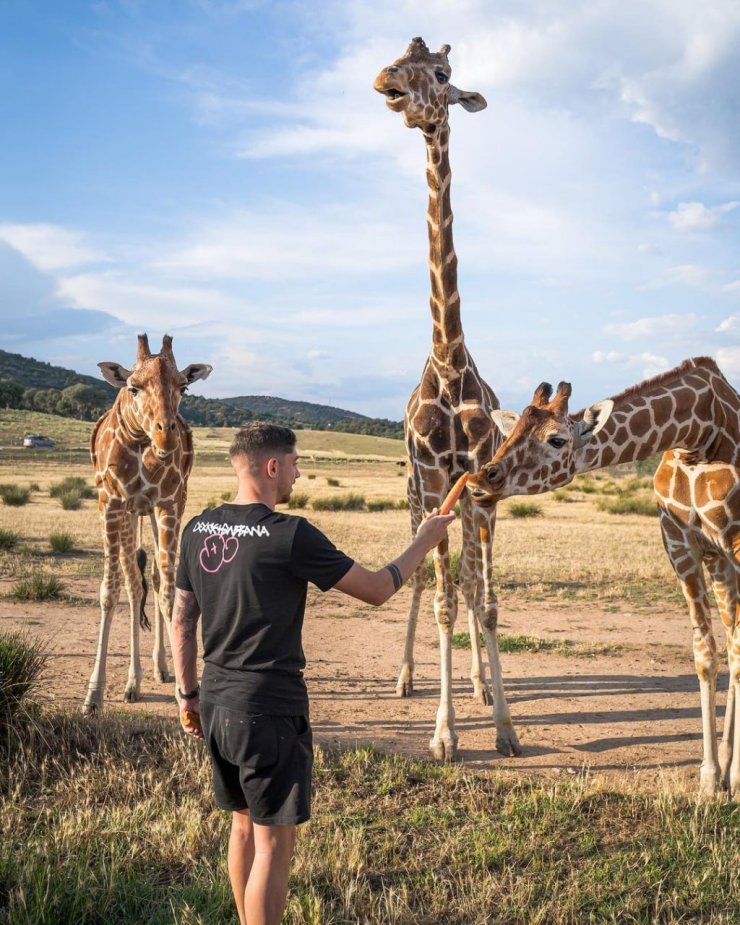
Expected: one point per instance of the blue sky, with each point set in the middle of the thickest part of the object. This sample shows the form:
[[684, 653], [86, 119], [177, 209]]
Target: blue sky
[[224, 172]]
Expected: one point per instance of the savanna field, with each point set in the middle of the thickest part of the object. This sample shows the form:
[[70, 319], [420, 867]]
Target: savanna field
[[109, 820]]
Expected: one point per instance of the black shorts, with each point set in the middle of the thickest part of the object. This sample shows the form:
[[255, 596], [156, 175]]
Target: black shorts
[[260, 762]]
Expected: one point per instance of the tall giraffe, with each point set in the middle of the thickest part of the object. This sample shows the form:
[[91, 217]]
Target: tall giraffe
[[692, 415], [142, 452], [448, 417]]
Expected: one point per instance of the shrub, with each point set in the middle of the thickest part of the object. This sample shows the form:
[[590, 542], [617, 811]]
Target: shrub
[[22, 661], [226, 496], [37, 587], [299, 499], [454, 567], [381, 504], [62, 542], [13, 495], [334, 483], [72, 483], [628, 505], [311, 475], [403, 504], [564, 496], [70, 500], [586, 485], [34, 486], [525, 509], [349, 502], [647, 467], [8, 539]]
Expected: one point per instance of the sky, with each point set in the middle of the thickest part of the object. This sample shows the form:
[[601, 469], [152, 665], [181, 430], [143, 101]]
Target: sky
[[222, 171]]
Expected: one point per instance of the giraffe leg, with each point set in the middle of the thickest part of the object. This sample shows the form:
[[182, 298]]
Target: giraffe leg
[[443, 744], [168, 528], [469, 559], [110, 586], [159, 656], [734, 659], [724, 583], [405, 683], [507, 742], [135, 591]]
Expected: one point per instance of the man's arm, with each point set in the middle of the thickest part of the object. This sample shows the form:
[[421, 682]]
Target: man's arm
[[377, 587], [185, 616]]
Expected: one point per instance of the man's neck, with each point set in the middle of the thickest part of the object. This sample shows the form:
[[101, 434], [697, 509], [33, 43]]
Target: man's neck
[[254, 494]]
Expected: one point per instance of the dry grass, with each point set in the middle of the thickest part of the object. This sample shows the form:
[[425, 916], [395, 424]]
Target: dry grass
[[111, 820]]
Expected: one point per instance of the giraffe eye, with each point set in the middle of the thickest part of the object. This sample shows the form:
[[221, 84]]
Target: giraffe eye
[[183, 389], [441, 77], [557, 442], [134, 390]]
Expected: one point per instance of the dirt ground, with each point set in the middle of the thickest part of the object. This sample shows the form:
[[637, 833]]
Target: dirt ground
[[635, 710]]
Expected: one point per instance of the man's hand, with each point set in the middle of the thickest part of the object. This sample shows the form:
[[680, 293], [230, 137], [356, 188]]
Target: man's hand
[[189, 711], [433, 529]]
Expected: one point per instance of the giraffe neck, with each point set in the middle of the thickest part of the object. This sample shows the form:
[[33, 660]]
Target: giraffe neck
[[681, 414], [129, 429], [444, 301]]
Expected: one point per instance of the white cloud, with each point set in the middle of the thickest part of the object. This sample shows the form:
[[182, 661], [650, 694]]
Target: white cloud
[[686, 274], [612, 356], [49, 247], [695, 216], [728, 359], [661, 326], [732, 287], [729, 324]]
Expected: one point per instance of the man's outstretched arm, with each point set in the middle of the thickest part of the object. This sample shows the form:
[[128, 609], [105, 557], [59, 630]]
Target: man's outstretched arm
[[185, 616], [377, 587]]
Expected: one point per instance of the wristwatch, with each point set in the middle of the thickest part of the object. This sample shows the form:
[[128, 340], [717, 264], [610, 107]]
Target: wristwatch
[[191, 696]]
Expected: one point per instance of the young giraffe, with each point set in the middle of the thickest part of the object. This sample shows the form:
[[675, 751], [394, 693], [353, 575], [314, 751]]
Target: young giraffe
[[692, 415], [142, 452], [448, 417]]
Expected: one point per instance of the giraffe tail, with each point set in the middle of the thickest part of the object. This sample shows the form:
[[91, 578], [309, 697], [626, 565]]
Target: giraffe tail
[[141, 562]]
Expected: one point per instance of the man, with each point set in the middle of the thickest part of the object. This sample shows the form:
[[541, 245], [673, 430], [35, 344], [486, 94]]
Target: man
[[246, 568]]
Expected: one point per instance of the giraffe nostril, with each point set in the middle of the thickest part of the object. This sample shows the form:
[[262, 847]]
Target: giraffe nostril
[[392, 69], [160, 425]]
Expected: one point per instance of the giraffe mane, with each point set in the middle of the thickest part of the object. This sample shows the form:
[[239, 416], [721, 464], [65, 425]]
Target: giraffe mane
[[685, 367]]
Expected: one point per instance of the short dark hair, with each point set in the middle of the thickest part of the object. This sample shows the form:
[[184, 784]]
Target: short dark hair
[[258, 438]]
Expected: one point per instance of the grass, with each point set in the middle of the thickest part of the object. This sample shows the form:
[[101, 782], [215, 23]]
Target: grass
[[525, 509], [112, 821], [62, 542], [628, 504], [8, 540], [73, 483], [381, 504], [22, 662], [454, 567], [333, 483], [349, 502], [14, 496], [298, 500], [37, 587], [565, 647], [70, 500]]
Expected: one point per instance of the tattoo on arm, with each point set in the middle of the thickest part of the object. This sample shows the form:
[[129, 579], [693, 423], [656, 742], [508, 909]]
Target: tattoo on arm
[[395, 575], [186, 613]]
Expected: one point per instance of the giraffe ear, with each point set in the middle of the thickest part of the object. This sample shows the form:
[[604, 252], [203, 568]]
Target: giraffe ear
[[115, 374], [504, 420], [197, 371], [473, 102], [594, 418]]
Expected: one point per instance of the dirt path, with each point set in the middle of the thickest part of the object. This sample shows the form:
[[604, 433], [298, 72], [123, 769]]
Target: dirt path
[[636, 709]]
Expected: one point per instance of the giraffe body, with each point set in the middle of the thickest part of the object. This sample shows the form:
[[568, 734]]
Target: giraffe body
[[692, 415], [142, 453], [448, 426]]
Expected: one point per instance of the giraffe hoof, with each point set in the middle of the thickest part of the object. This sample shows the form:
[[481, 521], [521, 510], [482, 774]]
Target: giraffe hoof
[[507, 744], [90, 708], [162, 676], [130, 695], [481, 694], [443, 751], [405, 688]]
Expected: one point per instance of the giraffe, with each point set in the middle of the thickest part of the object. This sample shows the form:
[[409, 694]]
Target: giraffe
[[447, 422], [692, 415], [142, 453]]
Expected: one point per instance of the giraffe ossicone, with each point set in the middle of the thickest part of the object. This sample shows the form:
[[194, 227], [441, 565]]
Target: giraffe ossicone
[[448, 426], [692, 415], [142, 453]]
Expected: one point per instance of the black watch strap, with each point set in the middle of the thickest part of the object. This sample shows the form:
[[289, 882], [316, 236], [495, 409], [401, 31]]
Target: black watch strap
[[191, 696]]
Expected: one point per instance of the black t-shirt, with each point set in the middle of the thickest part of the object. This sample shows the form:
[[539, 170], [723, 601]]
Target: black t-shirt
[[249, 569]]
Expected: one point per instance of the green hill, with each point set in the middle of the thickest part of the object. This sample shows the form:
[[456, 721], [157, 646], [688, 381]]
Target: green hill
[[298, 410]]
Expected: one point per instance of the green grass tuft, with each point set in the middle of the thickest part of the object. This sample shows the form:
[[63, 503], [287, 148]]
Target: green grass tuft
[[350, 502], [381, 504], [37, 587], [8, 540], [628, 504], [72, 483], [298, 500], [525, 509], [334, 483], [71, 500], [14, 496], [22, 662], [62, 542]]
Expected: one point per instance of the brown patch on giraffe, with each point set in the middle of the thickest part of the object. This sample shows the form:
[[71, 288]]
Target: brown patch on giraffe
[[662, 480], [717, 516], [640, 423], [681, 486], [662, 409]]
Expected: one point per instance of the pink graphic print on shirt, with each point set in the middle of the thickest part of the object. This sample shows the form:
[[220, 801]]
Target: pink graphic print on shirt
[[217, 551]]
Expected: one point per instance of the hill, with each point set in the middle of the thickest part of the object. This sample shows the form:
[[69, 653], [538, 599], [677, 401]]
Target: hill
[[33, 385]]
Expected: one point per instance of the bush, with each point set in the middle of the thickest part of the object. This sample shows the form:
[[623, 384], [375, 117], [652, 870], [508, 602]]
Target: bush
[[349, 502], [334, 483], [14, 496], [311, 475], [34, 486], [454, 568], [62, 542], [70, 500], [525, 509], [299, 499], [647, 467], [403, 504], [8, 539], [37, 587], [628, 505], [381, 504], [72, 483], [226, 496], [564, 496], [22, 661]]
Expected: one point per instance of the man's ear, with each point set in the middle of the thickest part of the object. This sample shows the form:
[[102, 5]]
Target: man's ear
[[594, 418], [115, 374], [505, 421], [272, 467]]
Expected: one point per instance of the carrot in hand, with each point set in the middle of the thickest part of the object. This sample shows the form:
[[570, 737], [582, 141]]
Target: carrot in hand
[[191, 721], [455, 492]]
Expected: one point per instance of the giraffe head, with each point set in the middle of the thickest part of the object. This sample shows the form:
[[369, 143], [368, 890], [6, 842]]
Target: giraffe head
[[154, 387], [418, 85], [539, 449]]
